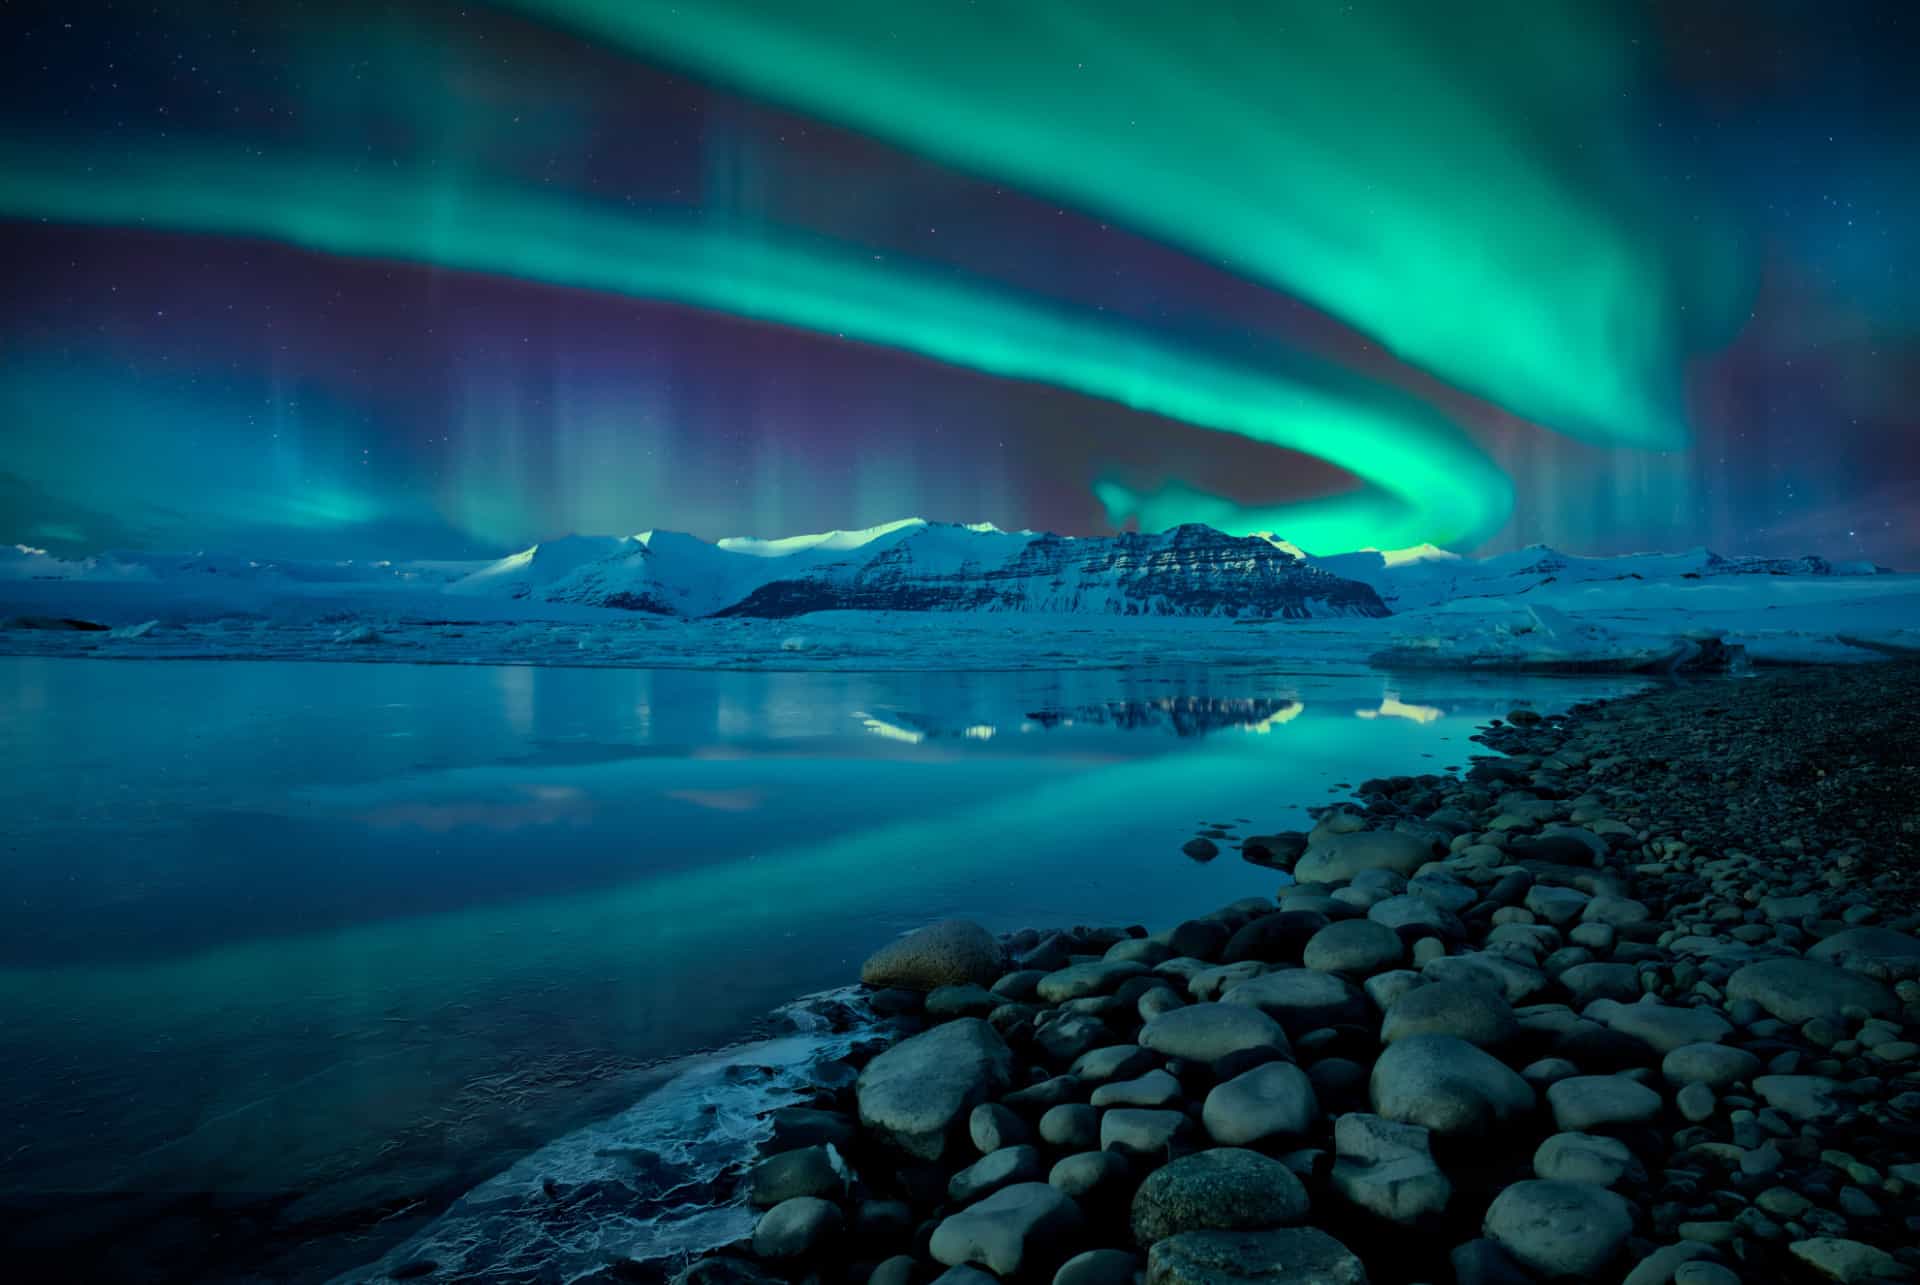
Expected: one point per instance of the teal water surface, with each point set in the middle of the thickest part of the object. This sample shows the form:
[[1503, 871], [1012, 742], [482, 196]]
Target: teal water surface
[[327, 944]]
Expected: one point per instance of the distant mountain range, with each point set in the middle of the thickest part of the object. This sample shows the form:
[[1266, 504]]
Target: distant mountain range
[[921, 566]]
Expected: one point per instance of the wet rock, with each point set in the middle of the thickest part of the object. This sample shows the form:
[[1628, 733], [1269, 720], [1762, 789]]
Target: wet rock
[[1224, 1189], [1466, 1011], [970, 1000], [1586, 1157], [1029, 1227], [1354, 947], [1718, 1066], [1302, 1000], [915, 1093], [1208, 1032], [1276, 938], [1071, 1126], [1267, 1103], [1135, 1131], [1289, 1256], [1099, 1267], [1588, 982], [1387, 1169], [1338, 858], [1661, 1027], [1799, 990], [1880, 953], [1200, 848], [1801, 1097], [1560, 1228], [1088, 1175], [992, 1126], [1445, 1084], [1587, 1102], [1837, 1259], [1415, 917], [798, 1227], [1154, 1089], [809, 1171], [952, 952], [992, 1172], [1077, 981]]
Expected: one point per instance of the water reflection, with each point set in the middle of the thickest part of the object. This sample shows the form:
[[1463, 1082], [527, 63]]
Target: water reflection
[[1391, 706]]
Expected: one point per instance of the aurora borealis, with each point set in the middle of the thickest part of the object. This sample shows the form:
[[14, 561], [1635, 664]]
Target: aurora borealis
[[433, 280]]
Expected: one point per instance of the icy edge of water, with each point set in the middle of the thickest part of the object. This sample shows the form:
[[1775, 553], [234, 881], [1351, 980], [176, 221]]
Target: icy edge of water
[[652, 1183]]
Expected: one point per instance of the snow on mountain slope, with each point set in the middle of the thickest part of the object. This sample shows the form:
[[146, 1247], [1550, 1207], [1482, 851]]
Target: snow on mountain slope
[[1188, 571], [526, 573]]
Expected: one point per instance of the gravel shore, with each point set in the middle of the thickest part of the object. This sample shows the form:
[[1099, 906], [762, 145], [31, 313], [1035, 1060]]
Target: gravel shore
[[1637, 999]]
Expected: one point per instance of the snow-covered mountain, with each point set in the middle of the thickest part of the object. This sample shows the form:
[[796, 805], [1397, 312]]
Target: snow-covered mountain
[[926, 566], [1427, 576]]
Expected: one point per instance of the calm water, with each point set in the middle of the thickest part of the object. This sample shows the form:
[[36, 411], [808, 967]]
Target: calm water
[[282, 944]]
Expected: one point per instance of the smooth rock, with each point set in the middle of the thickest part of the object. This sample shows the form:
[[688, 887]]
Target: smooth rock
[[1587, 1102], [1135, 1131], [1355, 947], [1269, 1102], [952, 952], [992, 1126], [1154, 1089], [990, 1173], [1661, 1027], [915, 1093], [1099, 1267], [809, 1171], [1077, 981], [1088, 1174], [1466, 1011], [1071, 1126], [1560, 1228], [1338, 858], [1208, 1032], [1799, 990], [1028, 1227], [1872, 952], [1289, 1256], [1387, 1169], [1844, 1260], [1586, 1157], [1302, 1000], [1803, 1097], [1718, 1066], [797, 1227], [1445, 1084], [1223, 1189]]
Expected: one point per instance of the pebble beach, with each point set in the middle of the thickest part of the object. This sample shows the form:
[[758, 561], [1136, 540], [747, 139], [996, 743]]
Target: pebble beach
[[1634, 998]]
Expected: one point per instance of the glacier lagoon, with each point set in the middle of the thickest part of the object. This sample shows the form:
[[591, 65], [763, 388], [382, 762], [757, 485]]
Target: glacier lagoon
[[307, 950]]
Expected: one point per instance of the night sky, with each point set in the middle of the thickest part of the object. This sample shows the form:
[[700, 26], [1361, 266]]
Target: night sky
[[346, 279]]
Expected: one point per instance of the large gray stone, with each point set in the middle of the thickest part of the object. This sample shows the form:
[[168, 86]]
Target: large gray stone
[[1584, 1102], [797, 1227], [1387, 1169], [1355, 947], [1154, 1089], [952, 952], [1090, 1173], [1560, 1228], [1415, 917], [1224, 1189], [914, 1093], [990, 1173], [1099, 1267], [1078, 981], [1471, 1012], [1586, 1157], [1208, 1032], [1337, 858], [1661, 1027], [1718, 1066], [1445, 1084], [1872, 952], [1027, 1228], [1846, 1261], [1804, 1097], [807, 1171], [1268, 1102], [1799, 990], [1302, 1000], [1289, 1256], [1136, 1131], [1589, 982]]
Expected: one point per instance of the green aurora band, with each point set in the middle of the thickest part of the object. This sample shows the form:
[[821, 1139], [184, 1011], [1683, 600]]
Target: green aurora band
[[1458, 181], [1423, 479]]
